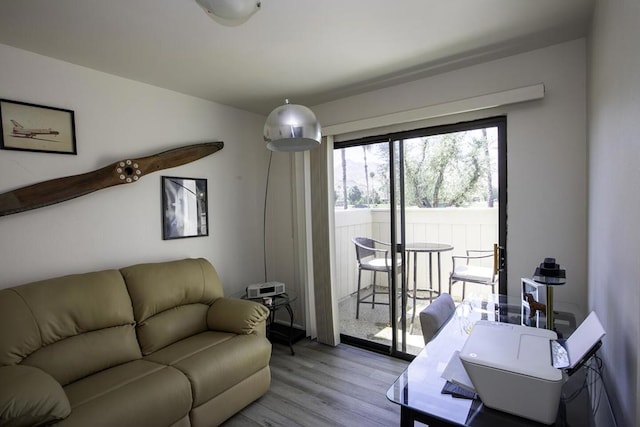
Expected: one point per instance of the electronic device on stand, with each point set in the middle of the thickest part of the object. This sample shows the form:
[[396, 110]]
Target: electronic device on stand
[[267, 289]]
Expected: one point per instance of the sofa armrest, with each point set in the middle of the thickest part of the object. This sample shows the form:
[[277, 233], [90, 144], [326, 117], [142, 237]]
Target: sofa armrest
[[237, 315], [30, 397]]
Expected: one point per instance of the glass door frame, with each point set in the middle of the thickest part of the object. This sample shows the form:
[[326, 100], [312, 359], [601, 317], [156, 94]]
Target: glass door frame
[[500, 122], [397, 212]]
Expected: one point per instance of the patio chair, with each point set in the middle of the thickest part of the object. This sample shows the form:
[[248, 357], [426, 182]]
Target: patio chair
[[466, 268], [435, 315], [373, 255]]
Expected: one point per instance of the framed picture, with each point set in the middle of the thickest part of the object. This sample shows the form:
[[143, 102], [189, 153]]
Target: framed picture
[[31, 127], [184, 208]]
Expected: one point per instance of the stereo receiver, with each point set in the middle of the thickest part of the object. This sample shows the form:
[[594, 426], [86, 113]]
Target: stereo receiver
[[267, 289]]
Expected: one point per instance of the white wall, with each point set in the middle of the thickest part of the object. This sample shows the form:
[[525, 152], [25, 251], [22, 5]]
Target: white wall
[[547, 150], [116, 119], [614, 202]]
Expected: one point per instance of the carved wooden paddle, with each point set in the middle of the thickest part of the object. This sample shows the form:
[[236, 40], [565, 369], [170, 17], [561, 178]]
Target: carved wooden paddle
[[123, 172]]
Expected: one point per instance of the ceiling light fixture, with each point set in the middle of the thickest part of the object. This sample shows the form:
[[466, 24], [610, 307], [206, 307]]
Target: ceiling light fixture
[[292, 127], [230, 12]]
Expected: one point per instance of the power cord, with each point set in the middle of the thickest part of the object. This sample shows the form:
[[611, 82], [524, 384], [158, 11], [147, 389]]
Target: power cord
[[594, 373]]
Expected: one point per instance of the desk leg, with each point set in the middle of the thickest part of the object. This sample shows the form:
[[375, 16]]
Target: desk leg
[[406, 417]]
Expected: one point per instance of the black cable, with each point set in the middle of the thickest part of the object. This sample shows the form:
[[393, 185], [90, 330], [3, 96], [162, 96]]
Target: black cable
[[264, 218], [595, 404], [589, 384], [578, 391]]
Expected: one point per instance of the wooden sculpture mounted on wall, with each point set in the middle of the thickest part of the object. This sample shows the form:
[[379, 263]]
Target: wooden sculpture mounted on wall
[[123, 172]]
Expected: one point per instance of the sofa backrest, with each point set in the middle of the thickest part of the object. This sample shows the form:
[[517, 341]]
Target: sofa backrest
[[70, 326], [170, 300]]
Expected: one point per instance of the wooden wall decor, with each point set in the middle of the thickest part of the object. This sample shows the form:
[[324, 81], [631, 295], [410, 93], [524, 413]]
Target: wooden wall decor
[[123, 172]]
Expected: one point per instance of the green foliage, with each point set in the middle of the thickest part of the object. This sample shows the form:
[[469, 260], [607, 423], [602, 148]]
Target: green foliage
[[355, 196], [445, 170], [452, 169]]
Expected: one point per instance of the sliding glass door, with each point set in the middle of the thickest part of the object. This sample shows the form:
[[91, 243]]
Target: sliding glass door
[[405, 204], [362, 202]]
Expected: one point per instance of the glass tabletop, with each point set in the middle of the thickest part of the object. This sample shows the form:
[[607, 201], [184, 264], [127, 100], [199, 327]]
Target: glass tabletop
[[275, 301], [419, 387], [427, 247]]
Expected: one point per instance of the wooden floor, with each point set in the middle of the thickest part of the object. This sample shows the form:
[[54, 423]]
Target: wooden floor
[[325, 386]]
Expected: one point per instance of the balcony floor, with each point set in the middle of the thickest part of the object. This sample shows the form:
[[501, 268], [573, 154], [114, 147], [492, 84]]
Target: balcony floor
[[373, 323]]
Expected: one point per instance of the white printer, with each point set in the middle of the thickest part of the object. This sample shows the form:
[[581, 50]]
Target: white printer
[[512, 366]]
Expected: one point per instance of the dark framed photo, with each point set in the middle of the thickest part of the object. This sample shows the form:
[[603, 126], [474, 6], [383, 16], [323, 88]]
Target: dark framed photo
[[31, 127], [184, 208]]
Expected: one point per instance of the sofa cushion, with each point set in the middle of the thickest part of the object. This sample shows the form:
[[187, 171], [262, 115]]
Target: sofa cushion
[[19, 335], [172, 325], [29, 396], [157, 289], [76, 357], [188, 347], [223, 406], [70, 305], [137, 393], [236, 315], [83, 324], [215, 361]]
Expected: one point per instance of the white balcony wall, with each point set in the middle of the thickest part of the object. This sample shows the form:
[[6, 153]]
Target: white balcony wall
[[463, 228], [349, 224]]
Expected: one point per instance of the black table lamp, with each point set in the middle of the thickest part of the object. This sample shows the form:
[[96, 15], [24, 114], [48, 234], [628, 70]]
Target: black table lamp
[[550, 274]]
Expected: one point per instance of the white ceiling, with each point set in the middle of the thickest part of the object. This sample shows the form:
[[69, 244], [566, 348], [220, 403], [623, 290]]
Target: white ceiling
[[308, 51]]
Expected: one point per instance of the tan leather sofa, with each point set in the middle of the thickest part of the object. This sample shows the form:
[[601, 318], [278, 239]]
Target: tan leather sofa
[[147, 345]]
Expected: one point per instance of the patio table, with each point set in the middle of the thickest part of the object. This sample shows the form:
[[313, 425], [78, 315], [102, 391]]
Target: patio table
[[429, 248]]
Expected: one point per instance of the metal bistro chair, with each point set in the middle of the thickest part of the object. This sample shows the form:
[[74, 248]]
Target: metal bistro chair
[[465, 269], [373, 255]]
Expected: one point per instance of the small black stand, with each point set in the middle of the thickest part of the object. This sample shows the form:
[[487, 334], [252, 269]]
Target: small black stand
[[276, 331]]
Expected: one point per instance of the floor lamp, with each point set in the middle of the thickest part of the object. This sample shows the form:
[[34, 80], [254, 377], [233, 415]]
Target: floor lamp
[[288, 128]]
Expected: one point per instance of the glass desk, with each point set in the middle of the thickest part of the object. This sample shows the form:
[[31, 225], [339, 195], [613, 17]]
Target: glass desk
[[418, 389]]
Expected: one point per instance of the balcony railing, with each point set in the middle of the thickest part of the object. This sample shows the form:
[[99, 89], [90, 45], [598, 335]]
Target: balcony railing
[[463, 228]]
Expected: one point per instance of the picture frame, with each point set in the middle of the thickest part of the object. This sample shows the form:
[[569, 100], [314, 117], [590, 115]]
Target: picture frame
[[32, 127], [184, 208]]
